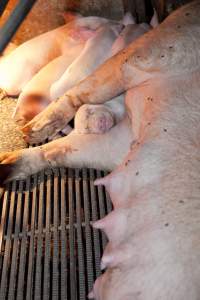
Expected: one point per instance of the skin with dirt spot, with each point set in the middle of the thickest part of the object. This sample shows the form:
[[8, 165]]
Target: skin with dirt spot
[[154, 229]]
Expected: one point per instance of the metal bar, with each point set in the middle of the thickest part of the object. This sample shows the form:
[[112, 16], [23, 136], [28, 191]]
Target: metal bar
[[102, 209], [16, 245], [29, 290], [4, 217], [95, 218], [55, 292], [88, 234], [47, 277], [3, 4], [73, 291], [23, 252], [38, 277], [52, 252], [63, 236], [8, 246], [81, 264], [14, 21]]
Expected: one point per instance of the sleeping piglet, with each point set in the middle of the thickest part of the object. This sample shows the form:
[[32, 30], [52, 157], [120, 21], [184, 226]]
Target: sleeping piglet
[[32, 55]]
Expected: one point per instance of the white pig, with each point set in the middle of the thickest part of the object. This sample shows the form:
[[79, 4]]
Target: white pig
[[20, 65], [35, 96], [154, 229], [96, 51]]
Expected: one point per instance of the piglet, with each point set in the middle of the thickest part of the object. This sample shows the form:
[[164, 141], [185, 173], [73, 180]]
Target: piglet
[[35, 96], [32, 55], [96, 51]]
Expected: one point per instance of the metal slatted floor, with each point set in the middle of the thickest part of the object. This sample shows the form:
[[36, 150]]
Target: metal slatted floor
[[48, 249]]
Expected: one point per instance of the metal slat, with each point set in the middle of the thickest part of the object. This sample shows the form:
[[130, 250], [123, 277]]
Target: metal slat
[[29, 290], [95, 218], [88, 232], [8, 245], [47, 258], [55, 293], [81, 264], [48, 247], [4, 218], [23, 252], [63, 237], [16, 245], [102, 209], [38, 277], [73, 290]]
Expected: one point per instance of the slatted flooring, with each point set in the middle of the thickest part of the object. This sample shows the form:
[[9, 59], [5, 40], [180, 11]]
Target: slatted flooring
[[48, 249]]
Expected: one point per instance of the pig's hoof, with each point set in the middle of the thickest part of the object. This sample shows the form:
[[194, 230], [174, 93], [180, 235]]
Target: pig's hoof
[[8, 162], [93, 119], [46, 124]]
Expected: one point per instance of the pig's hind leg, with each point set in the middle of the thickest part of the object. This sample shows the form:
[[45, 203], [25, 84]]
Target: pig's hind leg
[[103, 151]]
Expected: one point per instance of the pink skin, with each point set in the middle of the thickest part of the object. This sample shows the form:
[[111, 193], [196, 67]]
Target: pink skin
[[93, 119], [155, 190], [35, 95], [95, 52], [44, 48]]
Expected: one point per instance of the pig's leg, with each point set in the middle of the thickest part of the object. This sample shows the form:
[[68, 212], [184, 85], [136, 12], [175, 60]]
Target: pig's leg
[[36, 93], [105, 83], [104, 151], [95, 52], [146, 58]]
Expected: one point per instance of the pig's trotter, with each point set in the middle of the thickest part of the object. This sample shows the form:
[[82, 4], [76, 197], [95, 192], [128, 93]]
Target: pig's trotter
[[5, 171], [21, 163], [8, 162], [52, 120]]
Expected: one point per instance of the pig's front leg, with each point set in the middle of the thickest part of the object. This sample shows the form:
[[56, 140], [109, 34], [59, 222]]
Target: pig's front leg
[[61, 111], [110, 80], [104, 151]]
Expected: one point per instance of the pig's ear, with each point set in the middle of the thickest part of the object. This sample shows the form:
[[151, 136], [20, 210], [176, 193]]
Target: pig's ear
[[128, 19], [154, 20], [70, 16]]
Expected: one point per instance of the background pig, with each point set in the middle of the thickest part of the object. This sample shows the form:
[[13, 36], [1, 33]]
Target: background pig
[[35, 95], [96, 51], [154, 230], [34, 54]]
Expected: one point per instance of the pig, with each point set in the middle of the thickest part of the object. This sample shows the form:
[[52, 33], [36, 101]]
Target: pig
[[35, 96], [44, 48], [98, 119], [95, 53], [154, 230]]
